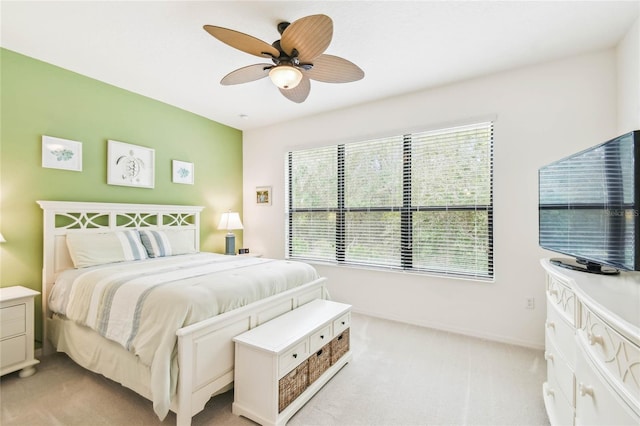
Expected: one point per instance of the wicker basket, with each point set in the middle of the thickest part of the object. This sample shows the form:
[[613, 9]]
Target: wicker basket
[[319, 362], [292, 385], [339, 346]]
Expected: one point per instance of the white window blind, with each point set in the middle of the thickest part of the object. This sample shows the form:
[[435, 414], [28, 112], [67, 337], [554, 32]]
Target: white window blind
[[419, 202]]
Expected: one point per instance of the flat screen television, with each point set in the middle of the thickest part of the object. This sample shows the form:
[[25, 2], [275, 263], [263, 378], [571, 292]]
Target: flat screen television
[[588, 207]]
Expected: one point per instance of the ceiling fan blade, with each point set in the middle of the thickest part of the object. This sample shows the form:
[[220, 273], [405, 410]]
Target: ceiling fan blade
[[246, 74], [242, 41], [310, 36], [334, 69], [299, 93]]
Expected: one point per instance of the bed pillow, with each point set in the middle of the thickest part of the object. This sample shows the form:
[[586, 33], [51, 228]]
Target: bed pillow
[[109, 247], [167, 243]]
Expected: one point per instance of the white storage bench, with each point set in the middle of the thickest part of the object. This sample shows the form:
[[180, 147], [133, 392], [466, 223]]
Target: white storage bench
[[281, 364]]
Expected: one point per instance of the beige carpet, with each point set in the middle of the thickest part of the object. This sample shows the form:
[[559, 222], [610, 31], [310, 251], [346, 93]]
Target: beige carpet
[[400, 375]]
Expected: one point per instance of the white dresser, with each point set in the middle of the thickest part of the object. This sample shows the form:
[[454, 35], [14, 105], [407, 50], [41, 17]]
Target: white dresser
[[282, 363], [592, 348], [16, 330]]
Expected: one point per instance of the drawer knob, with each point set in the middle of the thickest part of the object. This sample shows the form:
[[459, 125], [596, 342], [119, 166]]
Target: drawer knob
[[550, 324], [322, 336], [553, 291], [295, 355], [585, 390], [594, 338], [548, 356], [343, 323], [550, 392]]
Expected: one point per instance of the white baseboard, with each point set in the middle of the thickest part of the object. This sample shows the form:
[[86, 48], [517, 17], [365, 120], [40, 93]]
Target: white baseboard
[[457, 330]]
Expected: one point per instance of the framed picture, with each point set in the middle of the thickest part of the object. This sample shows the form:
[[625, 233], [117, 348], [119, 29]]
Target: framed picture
[[263, 195], [130, 165], [61, 154], [182, 172]]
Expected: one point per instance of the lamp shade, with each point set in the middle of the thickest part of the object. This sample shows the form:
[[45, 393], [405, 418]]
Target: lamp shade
[[229, 221], [285, 76], [2, 240]]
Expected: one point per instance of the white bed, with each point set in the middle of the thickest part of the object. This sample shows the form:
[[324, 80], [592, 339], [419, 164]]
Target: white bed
[[201, 359]]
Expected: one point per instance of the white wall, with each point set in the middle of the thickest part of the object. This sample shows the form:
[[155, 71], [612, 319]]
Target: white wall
[[628, 55], [543, 113]]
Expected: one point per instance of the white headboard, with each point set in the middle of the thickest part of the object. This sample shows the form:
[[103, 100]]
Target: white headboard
[[64, 217]]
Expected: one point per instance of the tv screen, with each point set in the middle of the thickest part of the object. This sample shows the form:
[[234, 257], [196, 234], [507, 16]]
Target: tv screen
[[588, 205]]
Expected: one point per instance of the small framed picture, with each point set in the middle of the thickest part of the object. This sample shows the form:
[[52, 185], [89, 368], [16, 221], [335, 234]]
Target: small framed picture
[[61, 154], [182, 172], [263, 195], [130, 165]]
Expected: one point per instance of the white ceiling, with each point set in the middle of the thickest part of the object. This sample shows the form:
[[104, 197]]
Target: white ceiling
[[159, 49]]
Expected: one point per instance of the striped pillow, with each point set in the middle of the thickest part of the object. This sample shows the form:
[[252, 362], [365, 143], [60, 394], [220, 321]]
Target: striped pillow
[[156, 242], [100, 248], [168, 243]]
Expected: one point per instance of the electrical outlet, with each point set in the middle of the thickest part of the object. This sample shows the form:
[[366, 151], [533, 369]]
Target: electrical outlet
[[531, 303]]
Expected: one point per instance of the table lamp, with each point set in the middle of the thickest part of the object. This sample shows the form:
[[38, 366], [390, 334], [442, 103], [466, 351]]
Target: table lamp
[[230, 221]]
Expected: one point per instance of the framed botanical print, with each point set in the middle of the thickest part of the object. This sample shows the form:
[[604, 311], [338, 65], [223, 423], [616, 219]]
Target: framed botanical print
[[182, 172], [60, 153]]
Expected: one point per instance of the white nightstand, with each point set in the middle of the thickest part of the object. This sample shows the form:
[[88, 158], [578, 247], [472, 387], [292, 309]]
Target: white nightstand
[[16, 330]]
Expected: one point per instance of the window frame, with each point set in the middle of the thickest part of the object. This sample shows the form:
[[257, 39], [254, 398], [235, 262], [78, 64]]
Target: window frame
[[407, 210]]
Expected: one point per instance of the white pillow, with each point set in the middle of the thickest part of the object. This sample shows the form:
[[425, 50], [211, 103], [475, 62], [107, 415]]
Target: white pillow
[[100, 248], [168, 243]]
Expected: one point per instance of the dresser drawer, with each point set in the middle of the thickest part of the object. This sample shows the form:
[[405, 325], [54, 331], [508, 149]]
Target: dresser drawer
[[596, 402], [291, 358], [561, 333], [560, 372], [13, 320], [560, 295], [341, 324], [13, 351], [320, 338], [615, 355], [559, 410]]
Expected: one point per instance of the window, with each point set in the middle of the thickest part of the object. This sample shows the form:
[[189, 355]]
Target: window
[[421, 202]]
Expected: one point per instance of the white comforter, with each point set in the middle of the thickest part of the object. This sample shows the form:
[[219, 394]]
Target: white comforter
[[141, 304]]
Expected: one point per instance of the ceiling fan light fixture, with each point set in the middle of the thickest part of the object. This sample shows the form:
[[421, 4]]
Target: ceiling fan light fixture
[[298, 57], [285, 76]]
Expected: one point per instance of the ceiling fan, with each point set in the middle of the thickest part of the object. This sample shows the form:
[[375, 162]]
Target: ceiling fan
[[297, 57]]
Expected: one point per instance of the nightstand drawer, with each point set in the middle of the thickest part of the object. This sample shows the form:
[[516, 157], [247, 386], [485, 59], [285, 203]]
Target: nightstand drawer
[[290, 359], [13, 351], [16, 330], [12, 320]]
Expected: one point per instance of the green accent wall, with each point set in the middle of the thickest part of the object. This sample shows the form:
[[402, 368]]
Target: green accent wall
[[41, 99]]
